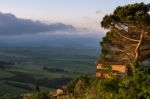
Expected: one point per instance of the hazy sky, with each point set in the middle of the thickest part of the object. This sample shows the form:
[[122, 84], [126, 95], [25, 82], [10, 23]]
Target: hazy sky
[[79, 13]]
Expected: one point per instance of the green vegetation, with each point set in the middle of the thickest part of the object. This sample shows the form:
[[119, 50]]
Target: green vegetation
[[37, 95], [51, 66]]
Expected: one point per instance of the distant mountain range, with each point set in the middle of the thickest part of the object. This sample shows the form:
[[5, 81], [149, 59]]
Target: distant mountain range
[[49, 40]]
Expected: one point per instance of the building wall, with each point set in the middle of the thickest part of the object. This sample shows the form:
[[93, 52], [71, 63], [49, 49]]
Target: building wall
[[121, 69]]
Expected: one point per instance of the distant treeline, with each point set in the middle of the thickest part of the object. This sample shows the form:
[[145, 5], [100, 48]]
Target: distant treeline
[[19, 85], [6, 64], [55, 70]]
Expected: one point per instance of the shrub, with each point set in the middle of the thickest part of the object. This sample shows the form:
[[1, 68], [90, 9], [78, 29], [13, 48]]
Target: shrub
[[36, 95]]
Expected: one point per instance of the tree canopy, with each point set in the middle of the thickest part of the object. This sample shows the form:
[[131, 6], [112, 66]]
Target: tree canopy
[[128, 37]]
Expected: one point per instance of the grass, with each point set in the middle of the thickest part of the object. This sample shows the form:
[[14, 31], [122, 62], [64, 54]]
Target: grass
[[5, 74], [10, 90]]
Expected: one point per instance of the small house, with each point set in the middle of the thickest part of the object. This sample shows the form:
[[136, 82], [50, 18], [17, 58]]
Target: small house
[[118, 70]]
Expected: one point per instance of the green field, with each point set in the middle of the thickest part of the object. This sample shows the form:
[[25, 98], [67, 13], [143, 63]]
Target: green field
[[62, 64]]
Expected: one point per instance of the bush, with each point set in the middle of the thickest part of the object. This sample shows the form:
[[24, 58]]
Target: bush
[[37, 95], [82, 82]]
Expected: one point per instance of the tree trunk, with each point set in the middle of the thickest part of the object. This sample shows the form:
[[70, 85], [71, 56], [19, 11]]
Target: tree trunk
[[137, 50]]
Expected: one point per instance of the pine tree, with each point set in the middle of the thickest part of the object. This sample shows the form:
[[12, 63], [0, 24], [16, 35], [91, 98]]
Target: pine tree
[[128, 36]]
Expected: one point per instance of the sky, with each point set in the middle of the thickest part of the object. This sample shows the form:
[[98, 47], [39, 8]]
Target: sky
[[77, 13]]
